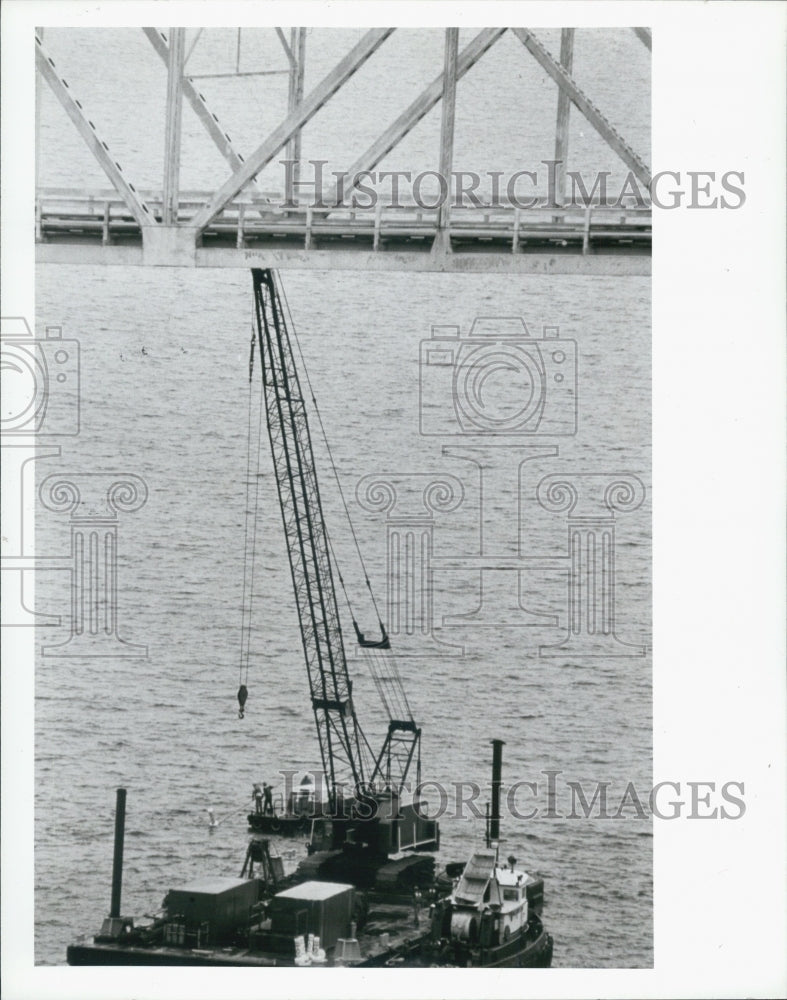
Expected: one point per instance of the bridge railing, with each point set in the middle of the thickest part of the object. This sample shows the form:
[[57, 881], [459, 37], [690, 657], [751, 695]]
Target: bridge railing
[[250, 219]]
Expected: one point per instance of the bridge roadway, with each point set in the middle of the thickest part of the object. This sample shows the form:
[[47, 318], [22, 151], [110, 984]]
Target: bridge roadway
[[260, 230]]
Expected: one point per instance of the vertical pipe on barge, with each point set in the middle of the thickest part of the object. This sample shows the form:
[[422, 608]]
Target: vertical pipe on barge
[[497, 770], [117, 857]]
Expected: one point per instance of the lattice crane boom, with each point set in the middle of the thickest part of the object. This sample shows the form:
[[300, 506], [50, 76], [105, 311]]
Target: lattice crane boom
[[347, 758], [341, 740]]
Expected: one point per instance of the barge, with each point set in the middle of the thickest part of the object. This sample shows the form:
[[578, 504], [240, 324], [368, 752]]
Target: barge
[[348, 907], [367, 893]]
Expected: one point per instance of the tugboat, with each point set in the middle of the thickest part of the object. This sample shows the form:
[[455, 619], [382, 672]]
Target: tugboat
[[492, 918]]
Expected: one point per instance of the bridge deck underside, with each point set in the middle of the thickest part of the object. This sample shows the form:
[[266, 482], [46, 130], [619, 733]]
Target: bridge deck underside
[[575, 240], [620, 265]]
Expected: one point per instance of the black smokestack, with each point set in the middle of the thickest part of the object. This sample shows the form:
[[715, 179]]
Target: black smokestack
[[117, 860], [497, 770]]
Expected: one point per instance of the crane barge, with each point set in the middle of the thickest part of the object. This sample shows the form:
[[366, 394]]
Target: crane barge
[[355, 899]]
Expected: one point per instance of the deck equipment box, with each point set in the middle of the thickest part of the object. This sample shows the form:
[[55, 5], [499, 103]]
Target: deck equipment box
[[221, 903], [321, 908]]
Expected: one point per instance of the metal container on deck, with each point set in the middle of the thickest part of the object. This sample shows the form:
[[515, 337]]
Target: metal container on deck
[[320, 908], [217, 907]]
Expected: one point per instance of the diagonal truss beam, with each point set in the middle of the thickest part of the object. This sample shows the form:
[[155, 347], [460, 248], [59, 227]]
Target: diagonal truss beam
[[287, 50], [87, 130], [198, 105], [645, 36], [567, 83], [420, 107], [193, 45], [305, 111]]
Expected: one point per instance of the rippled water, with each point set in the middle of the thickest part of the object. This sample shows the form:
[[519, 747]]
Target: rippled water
[[164, 396]]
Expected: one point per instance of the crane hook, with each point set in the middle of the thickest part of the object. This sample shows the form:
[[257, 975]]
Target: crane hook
[[243, 694]]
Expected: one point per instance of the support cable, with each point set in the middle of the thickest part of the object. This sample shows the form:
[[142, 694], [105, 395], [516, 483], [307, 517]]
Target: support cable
[[305, 370], [382, 664]]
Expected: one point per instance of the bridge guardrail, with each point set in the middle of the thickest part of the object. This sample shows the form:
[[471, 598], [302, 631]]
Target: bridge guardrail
[[88, 215]]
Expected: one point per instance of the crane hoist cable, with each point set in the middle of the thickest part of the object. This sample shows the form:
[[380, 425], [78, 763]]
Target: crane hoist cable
[[250, 532]]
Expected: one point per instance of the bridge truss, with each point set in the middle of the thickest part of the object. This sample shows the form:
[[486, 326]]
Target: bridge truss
[[237, 225]]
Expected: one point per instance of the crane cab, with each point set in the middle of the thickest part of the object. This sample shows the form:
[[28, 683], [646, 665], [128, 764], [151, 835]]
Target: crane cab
[[379, 823]]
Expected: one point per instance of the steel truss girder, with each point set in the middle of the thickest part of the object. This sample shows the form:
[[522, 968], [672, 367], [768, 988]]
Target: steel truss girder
[[563, 113], [198, 104], [173, 128], [448, 115], [297, 58], [567, 83], [86, 129], [419, 108], [616, 265], [292, 124], [287, 50]]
